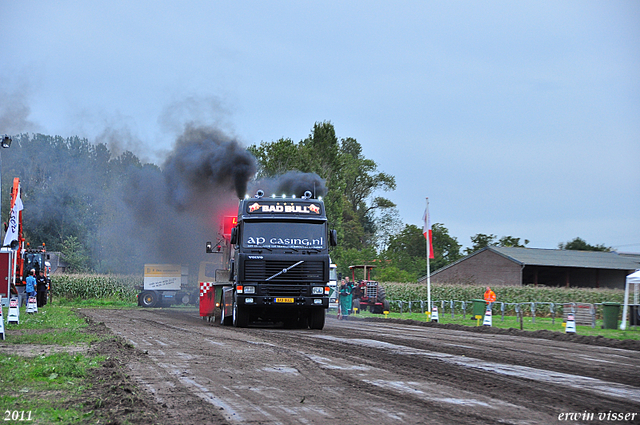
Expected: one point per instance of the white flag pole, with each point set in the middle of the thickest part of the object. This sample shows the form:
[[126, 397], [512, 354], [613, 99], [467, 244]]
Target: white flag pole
[[428, 224]]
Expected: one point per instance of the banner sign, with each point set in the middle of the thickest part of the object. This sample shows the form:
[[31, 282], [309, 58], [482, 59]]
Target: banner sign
[[310, 208], [162, 276]]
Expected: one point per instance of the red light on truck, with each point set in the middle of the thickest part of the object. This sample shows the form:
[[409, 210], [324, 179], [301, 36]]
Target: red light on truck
[[229, 223]]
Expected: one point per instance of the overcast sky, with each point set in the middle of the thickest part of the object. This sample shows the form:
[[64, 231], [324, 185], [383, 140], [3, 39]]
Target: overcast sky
[[514, 118]]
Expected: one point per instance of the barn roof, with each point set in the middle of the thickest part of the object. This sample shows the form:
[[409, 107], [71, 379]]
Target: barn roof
[[568, 258]]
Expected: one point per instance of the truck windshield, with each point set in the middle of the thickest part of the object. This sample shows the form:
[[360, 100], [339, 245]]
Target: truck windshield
[[283, 235]]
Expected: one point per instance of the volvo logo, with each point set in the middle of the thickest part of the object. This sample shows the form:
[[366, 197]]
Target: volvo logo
[[256, 257]]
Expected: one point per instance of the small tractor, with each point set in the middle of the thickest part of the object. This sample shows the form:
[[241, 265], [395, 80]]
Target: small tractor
[[368, 293]]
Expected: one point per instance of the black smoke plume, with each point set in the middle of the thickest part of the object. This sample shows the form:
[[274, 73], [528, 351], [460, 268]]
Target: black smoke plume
[[125, 213], [292, 183], [173, 211]]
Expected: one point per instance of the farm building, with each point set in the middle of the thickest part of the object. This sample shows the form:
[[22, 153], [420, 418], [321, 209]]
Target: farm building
[[501, 266]]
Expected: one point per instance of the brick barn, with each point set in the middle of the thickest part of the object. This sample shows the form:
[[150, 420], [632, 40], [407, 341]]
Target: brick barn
[[501, 266]]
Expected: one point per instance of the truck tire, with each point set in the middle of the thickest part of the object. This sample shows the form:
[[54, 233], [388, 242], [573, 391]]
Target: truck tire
[[149, 299], [316, 318], [240, 316], [381, 298], [225, 321], [382, 294]]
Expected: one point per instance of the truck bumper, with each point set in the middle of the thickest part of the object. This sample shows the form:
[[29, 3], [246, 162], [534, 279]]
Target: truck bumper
[[282, 302]]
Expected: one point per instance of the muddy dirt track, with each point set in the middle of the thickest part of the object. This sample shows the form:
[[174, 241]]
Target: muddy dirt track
[[362, 372]]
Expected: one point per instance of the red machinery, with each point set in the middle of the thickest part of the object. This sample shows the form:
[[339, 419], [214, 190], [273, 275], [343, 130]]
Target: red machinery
[[28, 258], [368, 293]]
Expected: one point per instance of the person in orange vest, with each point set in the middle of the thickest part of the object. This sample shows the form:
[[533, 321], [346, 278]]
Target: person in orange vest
[[489, 297]]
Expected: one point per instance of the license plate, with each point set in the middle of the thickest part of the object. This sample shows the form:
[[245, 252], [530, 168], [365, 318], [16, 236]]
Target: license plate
[[284, 300]]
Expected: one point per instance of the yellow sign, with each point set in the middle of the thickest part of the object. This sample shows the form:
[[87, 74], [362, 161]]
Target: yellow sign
[[162, 270], [162, 276], [284, 300]]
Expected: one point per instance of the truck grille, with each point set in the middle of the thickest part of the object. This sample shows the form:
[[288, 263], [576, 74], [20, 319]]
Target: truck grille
[[282, 291], [309, 271]]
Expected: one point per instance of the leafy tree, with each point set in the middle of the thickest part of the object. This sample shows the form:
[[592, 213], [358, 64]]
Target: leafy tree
[[352, 257], [75, 255], [351, 180], [388, 223], [580, 244], [481, 240], [394, 274], [407, 251], [275, 158], [510, 241], [446, 248], [71, 191]]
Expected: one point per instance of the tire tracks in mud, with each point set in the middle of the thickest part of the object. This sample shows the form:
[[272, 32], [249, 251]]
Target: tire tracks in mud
[[349, 372], [510, 383]]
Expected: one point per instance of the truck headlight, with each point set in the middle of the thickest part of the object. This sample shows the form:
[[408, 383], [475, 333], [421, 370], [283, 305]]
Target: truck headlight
[[249, 289], [248, 300], [317, 290], [317, 301]]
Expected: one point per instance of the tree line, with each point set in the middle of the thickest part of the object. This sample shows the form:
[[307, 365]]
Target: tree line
[[74, 193]]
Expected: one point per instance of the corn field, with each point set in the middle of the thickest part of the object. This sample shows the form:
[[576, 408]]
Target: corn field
[[91, 286], [406, 292]]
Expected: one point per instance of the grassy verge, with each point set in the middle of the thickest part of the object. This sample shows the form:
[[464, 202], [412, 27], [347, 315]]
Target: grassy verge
[[541, 323], [38, 382], [96, 303]]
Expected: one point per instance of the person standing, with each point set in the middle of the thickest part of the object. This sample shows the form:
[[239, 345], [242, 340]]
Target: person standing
[[346, 289], [489, 297], [41, 288], [31, 283], [22, 291]]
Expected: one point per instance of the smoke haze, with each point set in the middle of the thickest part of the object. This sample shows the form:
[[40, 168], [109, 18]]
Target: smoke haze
[[291, 183], [176, 210], [125, 212]]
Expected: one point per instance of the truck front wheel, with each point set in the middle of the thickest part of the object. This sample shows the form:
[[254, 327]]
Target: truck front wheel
[[316, 318], [240, 316]]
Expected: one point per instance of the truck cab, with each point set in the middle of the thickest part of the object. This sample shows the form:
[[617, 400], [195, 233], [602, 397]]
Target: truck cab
[[280, 265]]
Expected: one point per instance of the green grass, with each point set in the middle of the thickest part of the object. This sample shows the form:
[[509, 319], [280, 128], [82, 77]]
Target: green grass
[[541, 323], [44, 384], [96, 303], [51, 325]]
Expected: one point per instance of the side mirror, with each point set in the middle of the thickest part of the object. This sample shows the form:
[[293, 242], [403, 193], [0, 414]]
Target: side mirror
[[339, 276], [333, 237], [209, 248], [234, 236]]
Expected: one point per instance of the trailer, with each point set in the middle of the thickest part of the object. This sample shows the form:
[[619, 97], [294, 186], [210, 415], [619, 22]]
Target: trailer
[[164, 285]]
